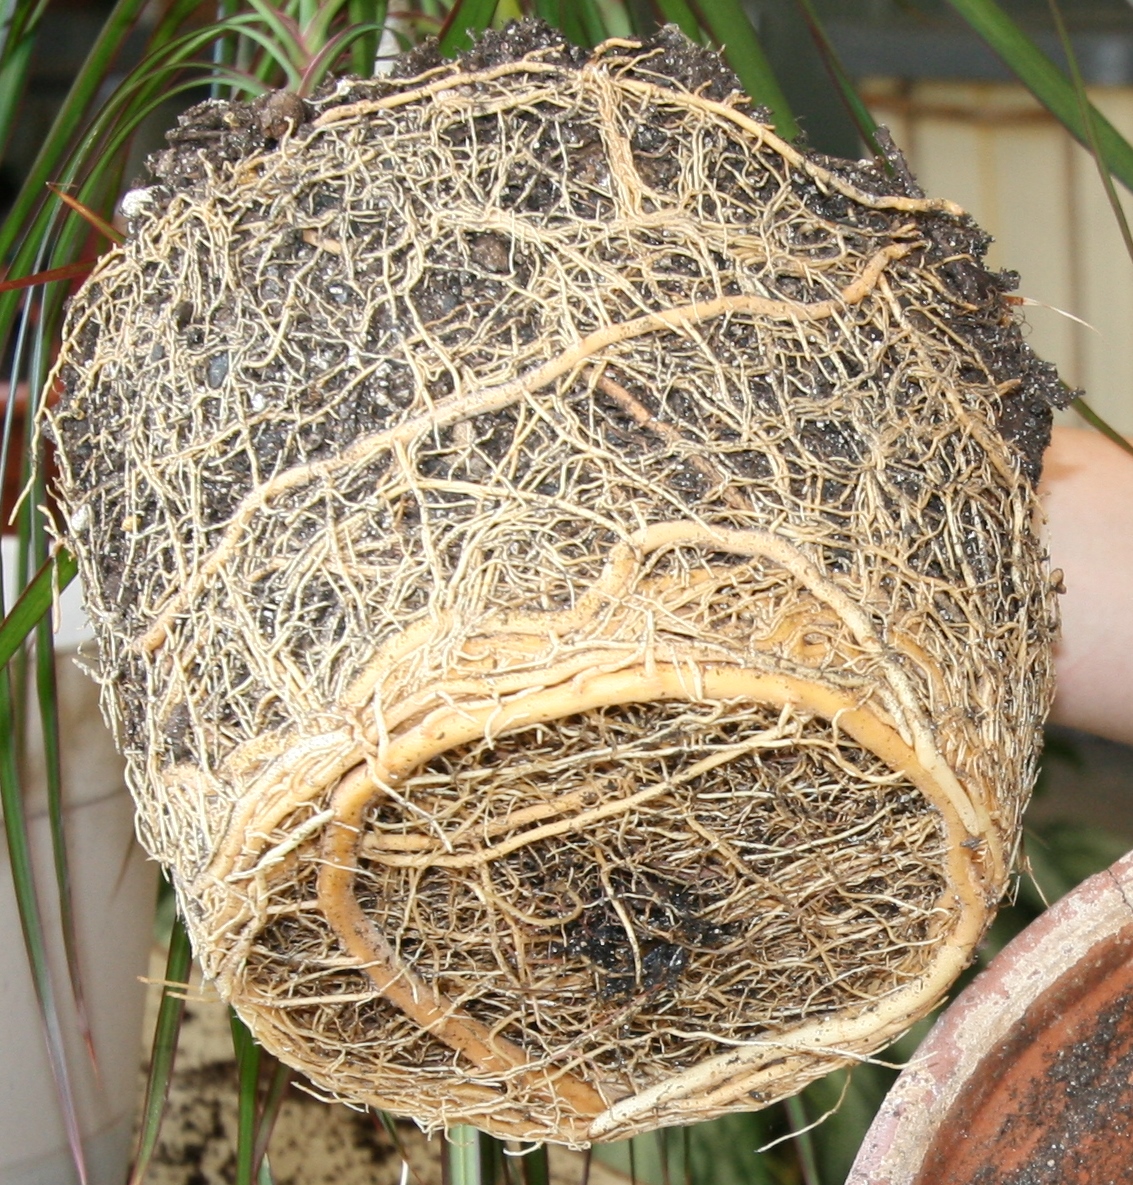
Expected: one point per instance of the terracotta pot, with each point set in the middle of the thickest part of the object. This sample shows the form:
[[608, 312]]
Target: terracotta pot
[[1027, 1078]]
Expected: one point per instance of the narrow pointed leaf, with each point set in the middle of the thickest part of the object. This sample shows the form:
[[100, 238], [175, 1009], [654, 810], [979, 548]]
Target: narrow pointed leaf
[[43, 338], [75, 109], [731, 29], [248, 1088], [164, 1049], [287, 58], [49, 720], [97, 221], [69, 271], [273, 1100], [280, 29], [316, 32], [239, 85], [1103, 426], [859, 112], [18, 33], [1047, 83], [34, 602], [1086, 112], [466, 20]]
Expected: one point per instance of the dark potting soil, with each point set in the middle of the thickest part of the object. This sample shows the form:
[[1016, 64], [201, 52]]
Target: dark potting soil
[[214, 133], [474, 285]]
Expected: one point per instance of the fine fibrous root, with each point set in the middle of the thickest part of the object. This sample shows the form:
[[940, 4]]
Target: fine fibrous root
[[566, 580]]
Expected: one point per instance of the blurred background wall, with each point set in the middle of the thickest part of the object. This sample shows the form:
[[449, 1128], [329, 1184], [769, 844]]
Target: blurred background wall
[[972, 134]]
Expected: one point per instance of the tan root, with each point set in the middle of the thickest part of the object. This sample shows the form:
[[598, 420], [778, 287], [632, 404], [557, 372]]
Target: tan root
[[566, 585]]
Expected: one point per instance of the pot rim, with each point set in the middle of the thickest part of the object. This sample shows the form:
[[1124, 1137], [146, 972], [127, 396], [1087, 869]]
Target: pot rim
[[981, 1017]]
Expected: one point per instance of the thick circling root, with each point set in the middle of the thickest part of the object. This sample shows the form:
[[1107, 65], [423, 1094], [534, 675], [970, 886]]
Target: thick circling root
[[494, 865]]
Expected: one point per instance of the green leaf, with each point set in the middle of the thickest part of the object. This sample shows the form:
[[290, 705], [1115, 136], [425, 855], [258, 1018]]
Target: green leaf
[[466, 20], [36, 328], [164, 1049], [281, 35], [1086, 113], [19, 28], [462, 1154], [281, 1076], [859, 112], [364, 51], [248, 1088], [728, 22], [315, 31], [285, 56], [34, 602], [1047, 83]]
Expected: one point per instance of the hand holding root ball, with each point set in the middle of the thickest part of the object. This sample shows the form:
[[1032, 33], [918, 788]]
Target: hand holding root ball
[[581, 637], [1087, 493]]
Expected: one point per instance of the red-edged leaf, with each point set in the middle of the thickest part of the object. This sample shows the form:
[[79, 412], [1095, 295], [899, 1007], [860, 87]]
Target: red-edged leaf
[[269, 1113], [99, 223], [69, 271]]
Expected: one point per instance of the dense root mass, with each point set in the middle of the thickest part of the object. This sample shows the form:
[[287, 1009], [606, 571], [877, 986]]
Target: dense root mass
[[769, 892], [566, 582]]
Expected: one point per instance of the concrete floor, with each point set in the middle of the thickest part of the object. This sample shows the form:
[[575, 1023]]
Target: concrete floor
[[314, 1143]]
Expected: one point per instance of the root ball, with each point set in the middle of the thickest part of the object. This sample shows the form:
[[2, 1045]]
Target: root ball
[[566, 584]]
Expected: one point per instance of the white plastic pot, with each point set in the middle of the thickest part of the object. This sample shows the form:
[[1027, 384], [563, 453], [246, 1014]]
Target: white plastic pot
[[114, 890]]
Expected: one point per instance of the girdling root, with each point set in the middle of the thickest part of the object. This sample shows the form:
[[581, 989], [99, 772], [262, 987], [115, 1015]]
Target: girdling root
[[566, 582]]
